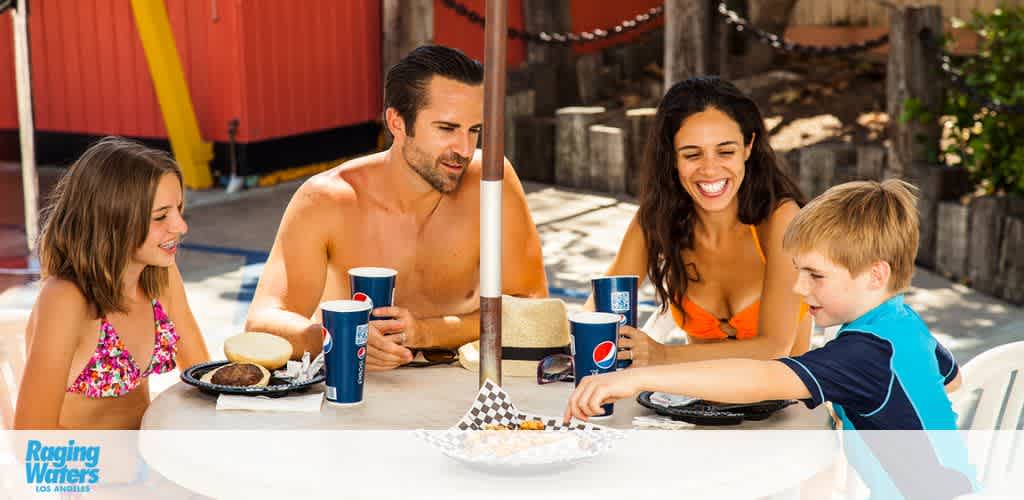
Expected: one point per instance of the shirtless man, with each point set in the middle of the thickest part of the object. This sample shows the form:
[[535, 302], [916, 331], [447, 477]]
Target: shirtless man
[[414, 208]]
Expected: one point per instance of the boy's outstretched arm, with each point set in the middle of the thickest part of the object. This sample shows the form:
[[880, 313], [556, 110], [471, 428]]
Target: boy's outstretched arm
[[723, 380]]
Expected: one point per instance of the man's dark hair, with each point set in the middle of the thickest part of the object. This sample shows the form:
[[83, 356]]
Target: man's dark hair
[[405, 87]]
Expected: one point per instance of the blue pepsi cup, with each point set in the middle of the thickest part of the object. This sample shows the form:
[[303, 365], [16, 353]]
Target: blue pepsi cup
[[375, 285], [346, 328], [594, 346], [617, 295]]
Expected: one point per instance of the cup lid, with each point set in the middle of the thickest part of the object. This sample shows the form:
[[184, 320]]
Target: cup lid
[[345, 306], [373, 272], [594, 318]]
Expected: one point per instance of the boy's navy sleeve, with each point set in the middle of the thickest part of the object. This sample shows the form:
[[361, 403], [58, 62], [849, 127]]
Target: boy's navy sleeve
[[947, 365], [852, 370]]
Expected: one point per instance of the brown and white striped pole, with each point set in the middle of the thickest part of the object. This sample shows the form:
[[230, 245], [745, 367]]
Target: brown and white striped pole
[[490, 190]]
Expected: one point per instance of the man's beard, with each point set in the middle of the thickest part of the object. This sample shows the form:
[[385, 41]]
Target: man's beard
[[432, 171]]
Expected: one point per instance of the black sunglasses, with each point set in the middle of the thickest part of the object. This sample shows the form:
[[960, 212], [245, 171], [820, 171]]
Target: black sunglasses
[[431, 357], [555, 368]]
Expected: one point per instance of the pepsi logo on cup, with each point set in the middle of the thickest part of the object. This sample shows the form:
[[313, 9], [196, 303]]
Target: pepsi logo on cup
[[361, 352], [604, 354], [362, 297], [328, 340]]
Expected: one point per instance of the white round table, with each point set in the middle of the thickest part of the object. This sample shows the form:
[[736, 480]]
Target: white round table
[[370, 451]]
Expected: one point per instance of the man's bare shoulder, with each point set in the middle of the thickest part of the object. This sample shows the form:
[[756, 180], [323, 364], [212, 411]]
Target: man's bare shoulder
[[338, 187]]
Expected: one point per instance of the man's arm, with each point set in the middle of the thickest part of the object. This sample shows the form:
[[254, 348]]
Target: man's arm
[[522, 262], [294, 276]]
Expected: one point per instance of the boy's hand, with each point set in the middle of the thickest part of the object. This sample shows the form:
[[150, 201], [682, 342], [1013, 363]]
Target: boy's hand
[[596, 390]]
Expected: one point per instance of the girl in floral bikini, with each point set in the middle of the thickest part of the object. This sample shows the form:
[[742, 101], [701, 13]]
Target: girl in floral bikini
[[102, 322]]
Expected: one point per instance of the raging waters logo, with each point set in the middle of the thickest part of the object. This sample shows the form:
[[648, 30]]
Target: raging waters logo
[[69, 468]]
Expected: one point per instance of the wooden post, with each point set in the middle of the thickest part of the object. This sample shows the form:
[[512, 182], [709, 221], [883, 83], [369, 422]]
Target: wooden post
[[951, 236], [607, 159], [405, 25], [769, 15], [718, 42], [572, 145], [516, 105], [639, 123], [819, 165], [551, 16], [535, 145], [1011, 261], [687, 37], [986, 238], [937, 183], [914, 73], [870, 162], [589, 79]]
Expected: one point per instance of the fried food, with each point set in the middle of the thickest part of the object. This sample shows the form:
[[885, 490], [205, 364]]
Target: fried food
[[531, 425], [525, 425]]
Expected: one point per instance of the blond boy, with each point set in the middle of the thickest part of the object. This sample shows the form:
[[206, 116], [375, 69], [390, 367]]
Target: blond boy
[[854, 249]]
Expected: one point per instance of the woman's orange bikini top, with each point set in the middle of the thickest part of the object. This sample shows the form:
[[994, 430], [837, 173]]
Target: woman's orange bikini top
[[704, 325]]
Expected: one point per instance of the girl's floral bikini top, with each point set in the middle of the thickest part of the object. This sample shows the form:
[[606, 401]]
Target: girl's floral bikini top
[[113, 372]]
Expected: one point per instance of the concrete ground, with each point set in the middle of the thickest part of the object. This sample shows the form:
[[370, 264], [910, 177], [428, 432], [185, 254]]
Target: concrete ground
[[230, 236]]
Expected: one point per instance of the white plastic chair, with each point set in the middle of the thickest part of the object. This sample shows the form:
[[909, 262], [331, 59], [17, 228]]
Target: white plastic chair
[[990, 404]]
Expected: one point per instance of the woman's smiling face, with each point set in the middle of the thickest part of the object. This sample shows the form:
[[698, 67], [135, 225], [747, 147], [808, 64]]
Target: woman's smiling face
[[710, 158]]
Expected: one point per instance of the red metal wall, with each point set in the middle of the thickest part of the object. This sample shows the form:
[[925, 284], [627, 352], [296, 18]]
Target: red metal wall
[[280, 69], [310, 68]]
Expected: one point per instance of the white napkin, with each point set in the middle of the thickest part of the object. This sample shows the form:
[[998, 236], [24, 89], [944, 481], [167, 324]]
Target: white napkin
[[307, 403]]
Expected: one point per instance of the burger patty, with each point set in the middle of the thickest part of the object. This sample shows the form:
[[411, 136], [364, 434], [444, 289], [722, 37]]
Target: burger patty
[[239, 375]]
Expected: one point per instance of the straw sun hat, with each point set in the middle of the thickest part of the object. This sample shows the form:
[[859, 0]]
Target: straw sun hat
[[530, 330]]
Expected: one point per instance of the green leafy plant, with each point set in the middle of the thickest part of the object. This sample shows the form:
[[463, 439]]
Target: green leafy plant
[[990, 142]]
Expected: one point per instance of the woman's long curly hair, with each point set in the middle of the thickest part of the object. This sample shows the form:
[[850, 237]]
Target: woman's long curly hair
[[667, 212]]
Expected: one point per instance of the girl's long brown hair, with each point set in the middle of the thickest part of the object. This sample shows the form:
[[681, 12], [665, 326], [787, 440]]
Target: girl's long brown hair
[[98, 215], [667, 213]]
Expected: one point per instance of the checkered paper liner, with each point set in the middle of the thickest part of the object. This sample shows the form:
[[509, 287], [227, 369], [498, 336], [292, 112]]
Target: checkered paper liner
[[556, 444]]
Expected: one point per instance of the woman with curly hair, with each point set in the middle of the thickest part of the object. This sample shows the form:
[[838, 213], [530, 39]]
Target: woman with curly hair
[[714, 204]]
